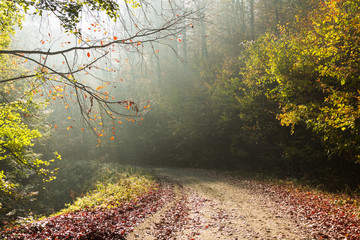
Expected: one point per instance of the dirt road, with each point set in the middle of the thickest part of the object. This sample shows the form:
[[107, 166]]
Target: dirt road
[[208, 206]]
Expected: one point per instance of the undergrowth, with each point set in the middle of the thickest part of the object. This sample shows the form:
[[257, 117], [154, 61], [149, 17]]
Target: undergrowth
[[115, 185], [110, 186]]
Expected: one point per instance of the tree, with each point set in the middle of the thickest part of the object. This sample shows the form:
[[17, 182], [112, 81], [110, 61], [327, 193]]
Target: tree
[[136, 31], [34, 77], [18, 131], [311, 70]]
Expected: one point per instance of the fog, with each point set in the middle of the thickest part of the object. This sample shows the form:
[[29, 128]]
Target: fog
[[169, 83]]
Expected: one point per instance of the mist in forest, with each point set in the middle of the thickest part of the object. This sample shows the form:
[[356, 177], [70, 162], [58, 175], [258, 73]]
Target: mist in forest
[[225, 85]]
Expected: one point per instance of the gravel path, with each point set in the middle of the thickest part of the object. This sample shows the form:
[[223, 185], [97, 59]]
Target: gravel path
[[207, 206]]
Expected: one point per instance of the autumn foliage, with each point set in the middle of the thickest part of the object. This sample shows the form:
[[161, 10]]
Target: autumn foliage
[[325, 216], [110, 222]]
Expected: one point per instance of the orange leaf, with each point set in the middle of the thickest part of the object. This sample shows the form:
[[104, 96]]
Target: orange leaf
[[112, 138], [55, 126], [66, 106], [120, 122], [88, 54], [115, 38], [82, 129]]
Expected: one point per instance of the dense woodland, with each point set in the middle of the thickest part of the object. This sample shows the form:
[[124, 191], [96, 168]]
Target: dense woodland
[[267, 88]]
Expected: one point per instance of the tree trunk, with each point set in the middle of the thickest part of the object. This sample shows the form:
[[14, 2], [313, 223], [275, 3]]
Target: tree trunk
[[252, 20]]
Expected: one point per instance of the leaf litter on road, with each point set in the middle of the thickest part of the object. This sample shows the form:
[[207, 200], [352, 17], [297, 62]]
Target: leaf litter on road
[[193, 216]]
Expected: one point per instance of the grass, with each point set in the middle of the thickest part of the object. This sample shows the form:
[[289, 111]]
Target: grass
[[115, 185]]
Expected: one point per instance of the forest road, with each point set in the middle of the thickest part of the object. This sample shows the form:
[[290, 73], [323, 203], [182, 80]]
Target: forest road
[[211, 206]]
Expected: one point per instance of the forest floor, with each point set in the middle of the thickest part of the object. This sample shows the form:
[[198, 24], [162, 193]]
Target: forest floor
[[204, 205], [209, 206], [213, 205]]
